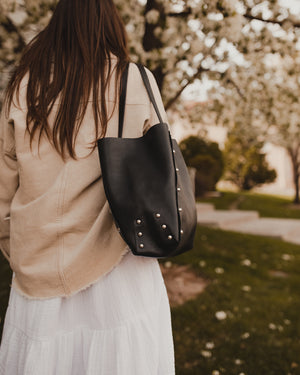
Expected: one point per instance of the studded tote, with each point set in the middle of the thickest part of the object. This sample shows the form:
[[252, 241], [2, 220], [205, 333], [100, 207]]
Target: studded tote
[[148, 187]]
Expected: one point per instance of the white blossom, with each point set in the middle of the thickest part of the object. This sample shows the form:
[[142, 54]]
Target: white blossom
[[219, 270], [238, 361], [152, 16], [246, 262], [209, 345], [245, 335], [206, 353], [18, 17], [221, 315], [246, 288], [286, 257]]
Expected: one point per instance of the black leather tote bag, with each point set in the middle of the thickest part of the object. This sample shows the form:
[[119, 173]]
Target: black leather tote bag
[[148, 186]]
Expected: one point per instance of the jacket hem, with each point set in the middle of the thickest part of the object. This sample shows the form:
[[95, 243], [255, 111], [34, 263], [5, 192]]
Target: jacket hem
[[63, 295]]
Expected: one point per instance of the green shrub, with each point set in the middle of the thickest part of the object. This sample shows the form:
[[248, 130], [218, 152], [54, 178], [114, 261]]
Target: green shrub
[[207, 159], [246, 164]]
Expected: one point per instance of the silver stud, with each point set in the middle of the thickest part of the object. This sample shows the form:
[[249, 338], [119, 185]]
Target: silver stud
[[170, 237], [140, 234], [118, 229], [141, 245], [177, 169], [138, 221], [174, 151], [181, 231], [157, 215], [164, 226], [178, 189], [180, 209]]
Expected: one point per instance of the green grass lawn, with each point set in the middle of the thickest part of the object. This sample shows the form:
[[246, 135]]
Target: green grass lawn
[[253, 282], [266, 205]]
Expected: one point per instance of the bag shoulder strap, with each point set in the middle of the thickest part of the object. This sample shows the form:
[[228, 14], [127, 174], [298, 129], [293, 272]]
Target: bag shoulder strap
[[149, 90], [123, 91]]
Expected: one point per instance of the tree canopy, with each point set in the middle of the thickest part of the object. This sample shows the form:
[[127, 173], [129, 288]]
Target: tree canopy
[[248, 48], [180, 41]]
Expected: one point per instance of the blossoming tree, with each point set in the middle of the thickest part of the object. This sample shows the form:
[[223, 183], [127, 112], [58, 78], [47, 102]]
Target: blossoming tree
[[179, 40], [182, 41], [266, 102]]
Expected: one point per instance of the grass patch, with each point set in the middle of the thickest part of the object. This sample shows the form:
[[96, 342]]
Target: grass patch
[[261, 331], [255, 282], [266, 205]]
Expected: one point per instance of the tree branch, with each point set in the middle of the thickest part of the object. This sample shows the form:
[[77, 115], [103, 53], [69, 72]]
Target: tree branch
[[190, 80], [247, 15], [250, 16], [10, 27], [197, 75], [185, 13], [239, 91]]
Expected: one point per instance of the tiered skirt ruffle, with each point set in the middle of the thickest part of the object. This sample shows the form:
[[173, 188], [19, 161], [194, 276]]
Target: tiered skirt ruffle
[[120, 325]]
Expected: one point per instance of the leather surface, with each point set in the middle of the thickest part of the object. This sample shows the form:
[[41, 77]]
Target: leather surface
[[151, 202]]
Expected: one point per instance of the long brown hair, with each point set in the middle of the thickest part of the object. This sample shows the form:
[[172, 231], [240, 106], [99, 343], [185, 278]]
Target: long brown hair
[[71, 58]]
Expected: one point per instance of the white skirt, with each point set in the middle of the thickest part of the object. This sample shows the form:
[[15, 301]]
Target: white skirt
[[120, 325]]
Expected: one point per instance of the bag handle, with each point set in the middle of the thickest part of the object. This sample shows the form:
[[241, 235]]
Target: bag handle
[[149, 90], [123, 89]]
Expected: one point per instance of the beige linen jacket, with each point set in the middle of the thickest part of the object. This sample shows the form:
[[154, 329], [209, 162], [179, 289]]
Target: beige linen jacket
[[56, 229]]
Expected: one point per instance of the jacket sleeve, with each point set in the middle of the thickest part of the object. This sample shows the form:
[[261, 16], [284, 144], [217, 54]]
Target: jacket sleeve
[[9, 179], [153, 119]]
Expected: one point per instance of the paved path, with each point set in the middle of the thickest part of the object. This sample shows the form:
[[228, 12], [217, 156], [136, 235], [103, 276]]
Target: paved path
[[249, 222]]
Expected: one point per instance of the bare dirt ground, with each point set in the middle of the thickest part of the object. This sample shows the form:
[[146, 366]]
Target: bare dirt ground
[[182, 283]]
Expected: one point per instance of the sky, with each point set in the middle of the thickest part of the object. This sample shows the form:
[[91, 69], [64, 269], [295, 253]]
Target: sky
[[294, 5]]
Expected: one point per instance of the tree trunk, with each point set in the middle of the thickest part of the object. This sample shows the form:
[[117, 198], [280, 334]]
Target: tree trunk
[[296, 172], [296, 184], [297, 200], [150, 41]]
